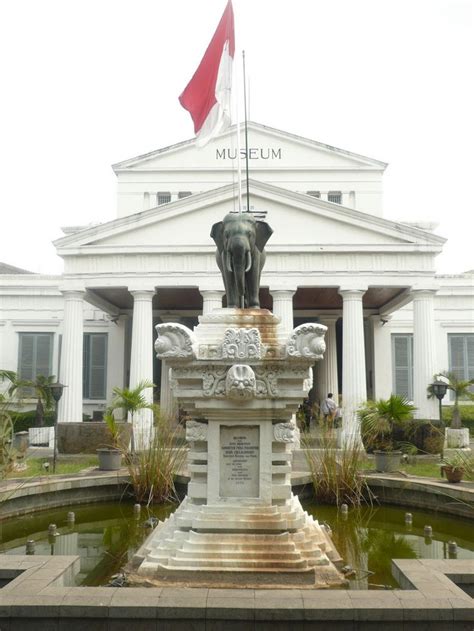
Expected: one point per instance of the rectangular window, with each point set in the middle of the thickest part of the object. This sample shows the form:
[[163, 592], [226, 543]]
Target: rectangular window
[[35, 354], [461, 356], [314, 193], [94, 366], [163, 198], [402, 365], [335, 197], [183, 194]]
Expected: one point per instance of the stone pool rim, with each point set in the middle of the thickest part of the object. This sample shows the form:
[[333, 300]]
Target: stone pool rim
[[19, 498]]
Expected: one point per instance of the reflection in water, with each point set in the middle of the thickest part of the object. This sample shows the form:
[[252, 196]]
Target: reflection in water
[[105, 537], [368, 538]]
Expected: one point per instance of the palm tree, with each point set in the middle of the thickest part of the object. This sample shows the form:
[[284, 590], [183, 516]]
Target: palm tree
[[41, 387], [461, 389], [131, 400], [379, 418]]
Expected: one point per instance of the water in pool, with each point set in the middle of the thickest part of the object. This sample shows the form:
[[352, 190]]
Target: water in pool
[[105, 536]]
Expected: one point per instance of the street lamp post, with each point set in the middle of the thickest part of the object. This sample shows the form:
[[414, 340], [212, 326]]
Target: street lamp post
[[439, 390], [57, 392]]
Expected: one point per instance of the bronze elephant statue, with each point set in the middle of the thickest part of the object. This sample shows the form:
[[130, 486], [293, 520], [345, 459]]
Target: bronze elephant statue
[[240, 255]]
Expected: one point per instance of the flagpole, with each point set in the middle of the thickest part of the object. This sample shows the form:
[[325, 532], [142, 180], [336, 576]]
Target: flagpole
[[246, 135], [239, 166]]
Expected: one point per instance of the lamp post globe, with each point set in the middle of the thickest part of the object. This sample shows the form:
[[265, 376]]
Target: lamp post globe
[[439, 389]]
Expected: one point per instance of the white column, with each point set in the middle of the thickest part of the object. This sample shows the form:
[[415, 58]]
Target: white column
[[382, 369], [141, 361], [354, 387], [327, 376], [70, 404], [424, 353], [168, 404], [211, 299], [283, 308]]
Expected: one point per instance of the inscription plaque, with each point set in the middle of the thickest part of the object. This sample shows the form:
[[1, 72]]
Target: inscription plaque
[[239, 461]]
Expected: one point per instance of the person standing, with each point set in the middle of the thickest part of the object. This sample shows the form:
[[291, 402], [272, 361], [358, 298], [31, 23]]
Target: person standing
[[329, 408]]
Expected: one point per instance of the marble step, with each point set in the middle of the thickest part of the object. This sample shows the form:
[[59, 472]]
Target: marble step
[[231, 546], [266, 539], [204, 562], [239, 524], [251, 555]]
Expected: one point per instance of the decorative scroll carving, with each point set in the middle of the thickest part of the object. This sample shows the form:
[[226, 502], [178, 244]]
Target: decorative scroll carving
[[242, 344], [196, 431], [174, 340], [284, 432], [307, 341], [240, 382], [213, 381], [267, 381]]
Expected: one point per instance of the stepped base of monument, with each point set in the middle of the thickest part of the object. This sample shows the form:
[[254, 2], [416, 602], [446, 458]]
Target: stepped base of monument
[[202, 543]]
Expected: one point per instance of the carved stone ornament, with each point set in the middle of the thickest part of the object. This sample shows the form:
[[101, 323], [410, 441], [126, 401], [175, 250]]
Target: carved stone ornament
[[307, 341], [213, 381], [174, 340], [240, 382], [284, 432], [196, 431], [242, 344]]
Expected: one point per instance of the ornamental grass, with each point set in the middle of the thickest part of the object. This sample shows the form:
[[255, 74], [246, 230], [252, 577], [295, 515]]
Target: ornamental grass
[[336, 473], [152, 470]]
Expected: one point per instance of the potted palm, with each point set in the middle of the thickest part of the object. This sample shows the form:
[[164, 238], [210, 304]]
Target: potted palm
[[379, 421], [110, 457]]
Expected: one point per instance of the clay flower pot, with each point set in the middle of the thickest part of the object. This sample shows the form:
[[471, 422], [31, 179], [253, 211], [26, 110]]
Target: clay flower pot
[[453, 474]]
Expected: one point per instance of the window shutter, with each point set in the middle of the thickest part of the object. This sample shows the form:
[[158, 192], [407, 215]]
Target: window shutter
[[85, 366], [402, 352], [26, 356], [43, 354], [470, 356], [97, 365], [456, 355]]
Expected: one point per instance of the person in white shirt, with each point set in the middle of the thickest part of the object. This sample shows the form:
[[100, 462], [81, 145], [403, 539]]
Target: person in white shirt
[[329, 408]]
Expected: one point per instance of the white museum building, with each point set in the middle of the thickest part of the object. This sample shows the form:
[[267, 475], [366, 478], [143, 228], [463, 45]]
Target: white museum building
[[392, 322]]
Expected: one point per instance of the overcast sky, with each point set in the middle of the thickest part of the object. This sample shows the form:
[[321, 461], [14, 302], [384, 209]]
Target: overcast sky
[[87, 83]]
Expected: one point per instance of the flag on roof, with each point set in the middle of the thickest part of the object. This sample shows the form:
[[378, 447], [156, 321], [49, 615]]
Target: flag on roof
[[207, 95]]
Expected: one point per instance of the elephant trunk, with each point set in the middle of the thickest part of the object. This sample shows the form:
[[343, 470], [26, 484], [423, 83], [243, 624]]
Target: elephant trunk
[[228, 262], [239, 261]]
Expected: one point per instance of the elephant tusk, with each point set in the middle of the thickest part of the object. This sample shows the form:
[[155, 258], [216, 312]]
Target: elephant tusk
[[228, 262], [248, 262]]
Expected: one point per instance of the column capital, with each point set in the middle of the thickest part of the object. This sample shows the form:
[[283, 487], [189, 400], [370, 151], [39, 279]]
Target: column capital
[[73, 294], [423, 292], [142, 294], [211, 293], [288, 291], [354, 293]]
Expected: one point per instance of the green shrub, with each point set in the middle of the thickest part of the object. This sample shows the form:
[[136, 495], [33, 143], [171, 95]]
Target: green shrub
[[467, 415], [426, 436], [22, 421]]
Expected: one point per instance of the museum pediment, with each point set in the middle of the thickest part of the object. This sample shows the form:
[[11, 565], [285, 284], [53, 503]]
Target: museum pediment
[[268, 148]]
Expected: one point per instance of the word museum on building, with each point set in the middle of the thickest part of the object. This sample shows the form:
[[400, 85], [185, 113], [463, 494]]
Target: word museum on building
[[392, 323]]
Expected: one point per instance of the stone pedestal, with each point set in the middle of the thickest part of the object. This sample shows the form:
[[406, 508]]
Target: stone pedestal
[[240, 380]]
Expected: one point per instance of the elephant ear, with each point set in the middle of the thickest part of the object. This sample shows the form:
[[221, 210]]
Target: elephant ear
[[216, 233], [264, 232]]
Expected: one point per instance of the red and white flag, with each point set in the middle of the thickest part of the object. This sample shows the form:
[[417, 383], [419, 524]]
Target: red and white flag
[[207, 95]]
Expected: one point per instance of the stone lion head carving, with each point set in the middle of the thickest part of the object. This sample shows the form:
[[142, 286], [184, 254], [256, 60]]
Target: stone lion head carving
[[240, 382]]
